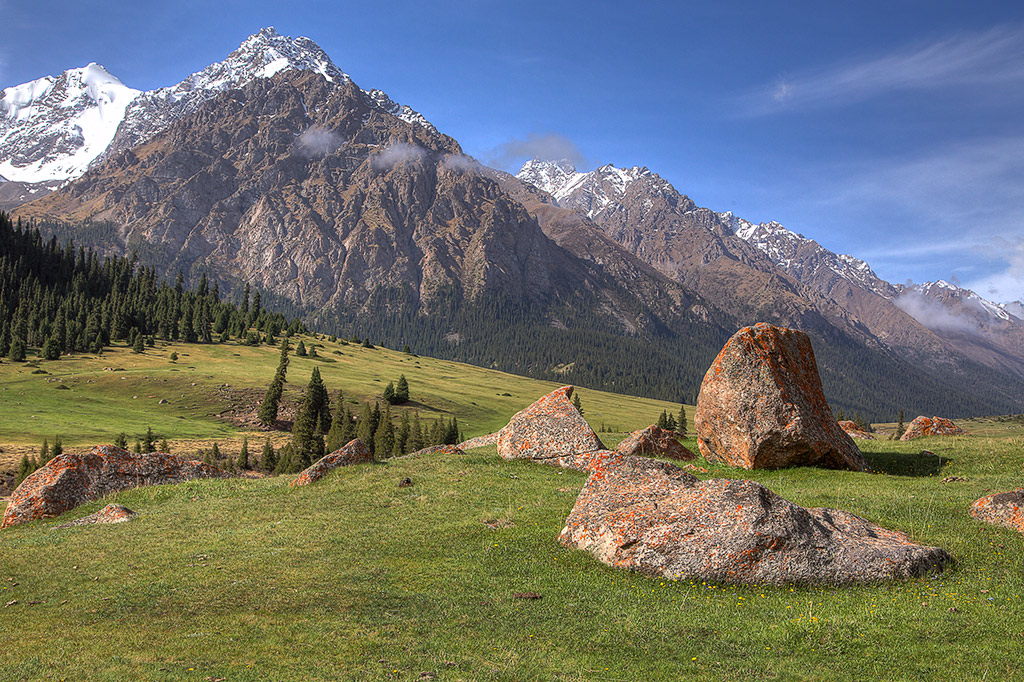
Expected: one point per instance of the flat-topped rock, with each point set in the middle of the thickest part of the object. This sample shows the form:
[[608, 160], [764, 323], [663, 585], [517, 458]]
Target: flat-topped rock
[[112, 513], [855, 431], [761, 406], [68, 480], [654, 441], [652, 517], [353, 452], [548, 429], [931, 426], [1001, 509]]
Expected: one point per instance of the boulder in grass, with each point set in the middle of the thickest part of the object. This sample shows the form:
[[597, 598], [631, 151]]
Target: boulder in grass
[[931, 426], [761, 406], [71, 479], [438, 450], [353, 452], [112, 513], [652, 517], [479, 441], [654, 441], [855, 431], [1001, 509], [548, 429]]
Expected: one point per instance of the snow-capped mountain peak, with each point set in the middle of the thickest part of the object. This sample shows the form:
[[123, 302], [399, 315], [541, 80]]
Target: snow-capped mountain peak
[[593, 192], [53, 127]]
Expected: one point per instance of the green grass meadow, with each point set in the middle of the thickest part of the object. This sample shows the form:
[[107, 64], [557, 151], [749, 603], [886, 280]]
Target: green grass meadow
[[355, 578]]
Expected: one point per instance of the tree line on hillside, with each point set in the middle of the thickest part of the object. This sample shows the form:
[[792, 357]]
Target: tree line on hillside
[[59, 300]]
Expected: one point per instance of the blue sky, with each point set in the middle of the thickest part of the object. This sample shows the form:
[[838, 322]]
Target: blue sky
[[889, 130]]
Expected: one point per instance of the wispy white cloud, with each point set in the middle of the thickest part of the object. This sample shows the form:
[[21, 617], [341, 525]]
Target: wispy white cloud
[[1007, 284], [989, 58], [545, 146]]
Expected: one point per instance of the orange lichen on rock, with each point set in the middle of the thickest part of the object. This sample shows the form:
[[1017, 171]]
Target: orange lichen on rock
[[855, 431], [654, 441], [934, 426], [549, 429], [1001, 509], [761, 406], [652, 517], [70, 479], [112, 513], [353, 452]]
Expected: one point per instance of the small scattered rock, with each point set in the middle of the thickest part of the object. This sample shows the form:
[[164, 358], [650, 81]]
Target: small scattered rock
[[112, 513], [1001, 509], [934, 426], [353, 452], [654, 441], [405, 483], [855, 431], [526, 595], [955, 479]]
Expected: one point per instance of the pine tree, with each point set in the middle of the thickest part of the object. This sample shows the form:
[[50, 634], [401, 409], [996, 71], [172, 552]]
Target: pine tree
[[576, 403], [681, 422], [336, 434], [138, 447], [24, 470], [18, 351], [451, 434], [389, 394], [384, 437], [215, 453], [900, 428], [51, 349], [300, 350], [663, 420], [320, 402], [416, 434], [268, 458], [402, 435], [670, 421], [58, 447], [149, 442], [401, 391], [272, 398], [437, 433], [44, 453], [137, 346], [365, 427], [164, 447], [243, 456], [307, 443], [121, 441]]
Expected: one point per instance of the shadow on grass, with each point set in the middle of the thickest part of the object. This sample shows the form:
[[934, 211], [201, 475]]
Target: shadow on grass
[[905, 464]]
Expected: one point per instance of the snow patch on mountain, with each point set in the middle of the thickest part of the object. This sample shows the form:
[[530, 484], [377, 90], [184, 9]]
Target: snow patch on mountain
[[53, 127], [595, 192]]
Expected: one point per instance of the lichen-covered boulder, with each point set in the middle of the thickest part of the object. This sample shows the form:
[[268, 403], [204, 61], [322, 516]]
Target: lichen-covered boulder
[[654, 441], [933, 426], [353, 452], [548, 429], [438, 450], [1002, 509], [855, 431], [68, 480], [479, 441], [761, 406], [652, 517], [112, 513]]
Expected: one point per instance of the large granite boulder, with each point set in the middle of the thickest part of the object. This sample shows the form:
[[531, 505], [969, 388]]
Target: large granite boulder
[[1002, 509], [112, 513], [353, 452], [68, 480], [761, 406], [479, 441], [654, 441], [854, 431], [549, 429], [934, 426], [652, 517]]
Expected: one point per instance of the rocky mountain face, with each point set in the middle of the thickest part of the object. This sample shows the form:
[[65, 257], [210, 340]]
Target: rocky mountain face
[[54, 129], [765, 272]]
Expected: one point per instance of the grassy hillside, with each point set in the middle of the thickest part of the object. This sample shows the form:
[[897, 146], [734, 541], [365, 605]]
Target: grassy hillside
[[90, 399], [358, 579]]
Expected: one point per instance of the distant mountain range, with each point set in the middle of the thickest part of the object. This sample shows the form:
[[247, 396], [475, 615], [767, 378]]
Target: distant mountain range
[[273, 168]]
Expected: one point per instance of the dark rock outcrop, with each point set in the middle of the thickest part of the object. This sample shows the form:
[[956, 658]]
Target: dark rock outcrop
[[549, 429], [1001, 509], [112, 513], [761, 405], [934, 426], [654, 441], [353, 452], [69, 480], [652, 517]]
